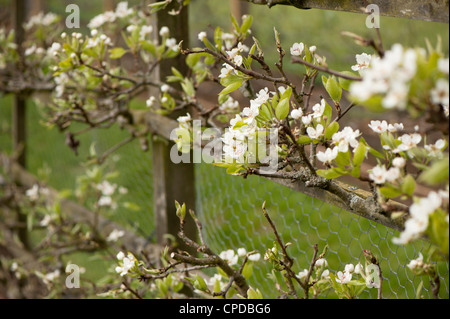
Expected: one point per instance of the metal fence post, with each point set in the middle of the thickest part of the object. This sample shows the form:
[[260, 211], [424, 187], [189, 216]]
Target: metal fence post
[[172, 182]]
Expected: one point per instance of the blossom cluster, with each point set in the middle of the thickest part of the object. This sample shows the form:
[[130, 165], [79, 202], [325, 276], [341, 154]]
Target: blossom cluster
[[243, 128], [320, 266], [127, 263], [232, 257], [419, 216], [122, 11], [391, 78], [107, 190]]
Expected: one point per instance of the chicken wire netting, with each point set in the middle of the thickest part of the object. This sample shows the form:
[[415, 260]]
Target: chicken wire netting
[[230, 210]]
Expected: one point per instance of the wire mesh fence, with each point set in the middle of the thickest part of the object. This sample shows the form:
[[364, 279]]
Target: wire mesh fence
[[230, 209]]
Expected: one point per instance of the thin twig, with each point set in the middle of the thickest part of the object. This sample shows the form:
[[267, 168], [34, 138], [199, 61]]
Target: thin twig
[[325, 70]]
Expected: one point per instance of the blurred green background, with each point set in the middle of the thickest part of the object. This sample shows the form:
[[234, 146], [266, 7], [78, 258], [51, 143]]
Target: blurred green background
[[229, 207]]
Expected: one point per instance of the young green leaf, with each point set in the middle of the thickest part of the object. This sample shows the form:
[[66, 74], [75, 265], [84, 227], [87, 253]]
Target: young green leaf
[[232, 87], [334, 89], [282, 110]]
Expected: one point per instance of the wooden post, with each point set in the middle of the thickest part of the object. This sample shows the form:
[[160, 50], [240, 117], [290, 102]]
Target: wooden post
[[172, 182], [238, 9], [19, 13], [109, 5], [36, 6]]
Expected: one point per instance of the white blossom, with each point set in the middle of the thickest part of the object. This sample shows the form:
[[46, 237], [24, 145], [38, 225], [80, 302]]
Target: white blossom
[[184, 120], [297, 49], [150, 102], [107, 188], [252, 111], [345, 138], [164, 32], [262, 96], [51, 277], [443, 65], [378, 174], [397, 127], [440, 94], [172, 44], [419, 213], [416, 263], [303, 274], [35, 192], [101, 19], [325, 274], [226, 70], [296, 114], [307, 119], [315, 133], [399, 162], [389, 76], [343, 277], [409, 141], [435, 150], [328, 156], [254, 257], [241, 252], [230, 106], [378, 126], [145, 30], [105, 201], [122, 10], [319, 109], [41, 19], [349, 268], [128, 263], [322, 262], [55, 49], [115, 235], [363, 62], [230, 257], [359, 269], [202, 36]]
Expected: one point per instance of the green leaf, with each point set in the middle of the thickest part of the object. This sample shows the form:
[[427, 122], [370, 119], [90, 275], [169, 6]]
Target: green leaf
[[331, 130], [331, 173], [282, 110], [247, 21], [234, 169], [201, 283], [117, 53], [356, 172], [158, 6], [254, 294], [408, 185], [303, 140], [343, 159], [218, 38], [359, 155], [437, 173], [235, 23], [248, 270], [345, 84], [390, 192], [232, 87], [334, 89]]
